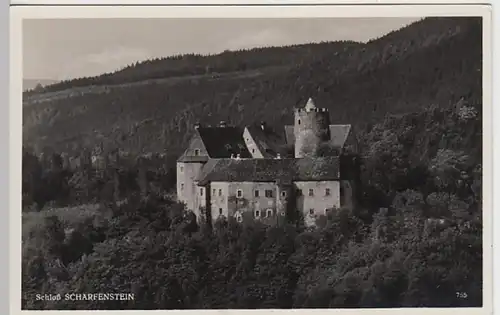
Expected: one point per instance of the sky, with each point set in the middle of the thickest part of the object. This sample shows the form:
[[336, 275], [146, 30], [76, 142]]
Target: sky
[[58, 49]]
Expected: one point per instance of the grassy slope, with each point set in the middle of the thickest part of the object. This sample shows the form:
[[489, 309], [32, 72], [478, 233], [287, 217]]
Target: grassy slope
[[433, 61]]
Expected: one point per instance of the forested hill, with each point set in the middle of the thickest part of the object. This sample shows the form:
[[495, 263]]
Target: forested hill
[[152, 106]]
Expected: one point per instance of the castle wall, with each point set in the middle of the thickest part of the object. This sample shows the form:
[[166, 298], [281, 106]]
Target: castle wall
[[218, 197], [319, 201], [311, 128], [247, 204], [187, 189], [252, 145]]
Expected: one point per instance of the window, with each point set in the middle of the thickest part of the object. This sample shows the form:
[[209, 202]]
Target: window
[[182, 186], [220, 192], [283, 194], [311, 192], [282, 213], [299, 192], [253, 150], [257, 213], [327, 192], [196, 152], [342, 196], [201, 191], [220, 211], [269, 213], [239, 193], [213, 192], [256, 193], [327, 211], [298, 122], [239, 218], [181, 169], [269, 193], [311, 211]]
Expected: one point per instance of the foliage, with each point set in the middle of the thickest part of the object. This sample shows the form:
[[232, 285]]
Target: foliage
[[414, 240]]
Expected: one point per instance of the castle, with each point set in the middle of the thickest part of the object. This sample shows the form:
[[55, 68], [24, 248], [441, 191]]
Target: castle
[[246, 173]]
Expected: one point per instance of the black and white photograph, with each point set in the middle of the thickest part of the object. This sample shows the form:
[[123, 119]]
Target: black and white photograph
[[204, 163]]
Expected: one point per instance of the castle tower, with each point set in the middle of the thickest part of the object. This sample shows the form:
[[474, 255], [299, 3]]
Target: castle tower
[[311, 128]]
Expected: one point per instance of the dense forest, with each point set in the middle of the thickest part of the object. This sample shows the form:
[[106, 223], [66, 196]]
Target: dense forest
[[414, 239], [432, 62]]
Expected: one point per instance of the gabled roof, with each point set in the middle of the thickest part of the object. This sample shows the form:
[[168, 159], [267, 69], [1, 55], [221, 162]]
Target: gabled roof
[[268, 141], [270, 170], [215, 142], [338, 134]]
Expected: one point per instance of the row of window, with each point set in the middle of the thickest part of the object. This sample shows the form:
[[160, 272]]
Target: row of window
[[312, 211], [268, 193]]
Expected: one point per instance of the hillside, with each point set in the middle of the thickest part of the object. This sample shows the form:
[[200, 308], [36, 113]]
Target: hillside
[[152, 106], [30, 84]]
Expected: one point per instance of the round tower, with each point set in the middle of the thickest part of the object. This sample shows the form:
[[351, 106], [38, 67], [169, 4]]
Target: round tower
[[311, 128]]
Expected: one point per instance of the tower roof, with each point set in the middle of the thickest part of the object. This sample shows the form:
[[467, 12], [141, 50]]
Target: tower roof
[[310, 104]]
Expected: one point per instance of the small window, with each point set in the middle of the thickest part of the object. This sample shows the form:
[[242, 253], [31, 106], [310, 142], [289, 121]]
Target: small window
[[256, 193], [181, 169], [196, 152], [311, 211], [239, 193], [182, 186], [213, 192], [220, 211], [269, 193], [253, 150], [201, 191], [298, 122], [299, 192], [257, 213], [282, 213], [327, 192], [220, 192], [239, 218], [283, 194], [269, 213], [311, 192]]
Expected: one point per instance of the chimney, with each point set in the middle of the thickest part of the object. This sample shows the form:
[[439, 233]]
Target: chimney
[[263, 125], [232, 155], [238, 156], [197, 125], [222, 124], [278, 156]]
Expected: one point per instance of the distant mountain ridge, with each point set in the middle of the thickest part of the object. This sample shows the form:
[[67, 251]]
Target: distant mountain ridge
[[29, 84], [152, 106]]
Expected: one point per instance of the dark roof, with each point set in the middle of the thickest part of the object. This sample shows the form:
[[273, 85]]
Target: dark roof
[[267, 140], [221, 142], [193, 159], [270, 170], [338, 134]]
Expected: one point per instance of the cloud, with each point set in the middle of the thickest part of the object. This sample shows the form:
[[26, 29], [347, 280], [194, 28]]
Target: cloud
[[107, 60]]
